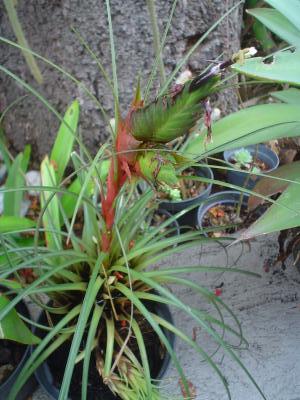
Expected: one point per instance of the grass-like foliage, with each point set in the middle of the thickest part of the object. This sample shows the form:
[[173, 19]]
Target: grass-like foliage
[[91, 248]]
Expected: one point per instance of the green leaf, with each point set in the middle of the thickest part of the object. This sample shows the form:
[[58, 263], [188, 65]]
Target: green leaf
[[64, 141], [9, 223], [251, 3], [291, 95], [10, 284], [109, 351], [263, 36], [113, 61], [282, 67], [89, 347], [16, 179], [278, 24], [143, 353], [13, 328], [3, 146], [252, 125], [90, 227], [37, 356], [88, 302], [25, 158], [18, 31], [147, 315], [68, 201], [49, 203], [284, 214], [290, 9]]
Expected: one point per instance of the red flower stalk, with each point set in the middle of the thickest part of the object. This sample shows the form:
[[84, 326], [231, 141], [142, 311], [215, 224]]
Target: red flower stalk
[[121, 168]]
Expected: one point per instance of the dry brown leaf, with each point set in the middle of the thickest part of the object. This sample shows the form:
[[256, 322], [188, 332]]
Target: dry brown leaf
[[269, 187], [192, 390], [287, 156]]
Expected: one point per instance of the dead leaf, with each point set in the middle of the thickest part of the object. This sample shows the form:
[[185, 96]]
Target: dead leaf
[[217, 212], [192, 390], [269, 187], [287, 155]]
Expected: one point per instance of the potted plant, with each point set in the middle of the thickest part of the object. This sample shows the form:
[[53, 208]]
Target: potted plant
[[256, 159], [226, 212], [161, 216], [188, 194], [93, 264], [96, 275]]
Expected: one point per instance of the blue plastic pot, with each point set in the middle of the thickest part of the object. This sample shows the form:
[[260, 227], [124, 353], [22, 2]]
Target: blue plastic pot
[[190, 217], [220, 198], [263, 153]]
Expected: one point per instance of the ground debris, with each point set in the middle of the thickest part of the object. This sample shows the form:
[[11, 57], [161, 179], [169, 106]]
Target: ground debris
[[192, 390]]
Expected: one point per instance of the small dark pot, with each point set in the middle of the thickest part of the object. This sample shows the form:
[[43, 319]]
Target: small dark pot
[[30, 385], [190, 217], [44, 376], [226, 197], [263, 152], [174, 226]]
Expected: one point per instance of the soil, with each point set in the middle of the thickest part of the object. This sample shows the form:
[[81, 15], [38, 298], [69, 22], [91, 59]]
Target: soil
[[11, 354], [262, 166], [222, 215], [190, 188], [97, 390], [159, 218]]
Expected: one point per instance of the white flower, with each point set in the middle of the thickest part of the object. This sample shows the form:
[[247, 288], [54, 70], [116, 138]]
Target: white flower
[[216, 114], [251, 51], [184, 77], [33, 178], [112, 123]]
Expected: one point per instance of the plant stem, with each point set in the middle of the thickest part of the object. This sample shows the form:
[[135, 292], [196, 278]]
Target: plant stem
[[239, 207], [156, 39]]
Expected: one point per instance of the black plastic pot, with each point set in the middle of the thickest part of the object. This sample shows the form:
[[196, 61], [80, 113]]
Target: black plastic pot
[[263, 153], [174, 226], [226, 197], [30, 385], [44, 376], [190, 217]]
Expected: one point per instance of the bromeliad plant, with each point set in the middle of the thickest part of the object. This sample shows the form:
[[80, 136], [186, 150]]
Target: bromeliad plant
[[93, 261]]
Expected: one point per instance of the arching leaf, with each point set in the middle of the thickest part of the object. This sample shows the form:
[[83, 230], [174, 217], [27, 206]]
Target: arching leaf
[[281, 67]]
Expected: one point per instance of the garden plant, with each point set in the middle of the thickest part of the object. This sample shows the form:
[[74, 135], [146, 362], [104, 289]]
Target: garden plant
[[90, 255]]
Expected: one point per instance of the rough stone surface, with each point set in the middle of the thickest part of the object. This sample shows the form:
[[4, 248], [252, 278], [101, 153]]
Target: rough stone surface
[[269, 311], [47, 25]]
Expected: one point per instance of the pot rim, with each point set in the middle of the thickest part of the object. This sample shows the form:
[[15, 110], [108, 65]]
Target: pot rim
[[226, 196], [261, 148]]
